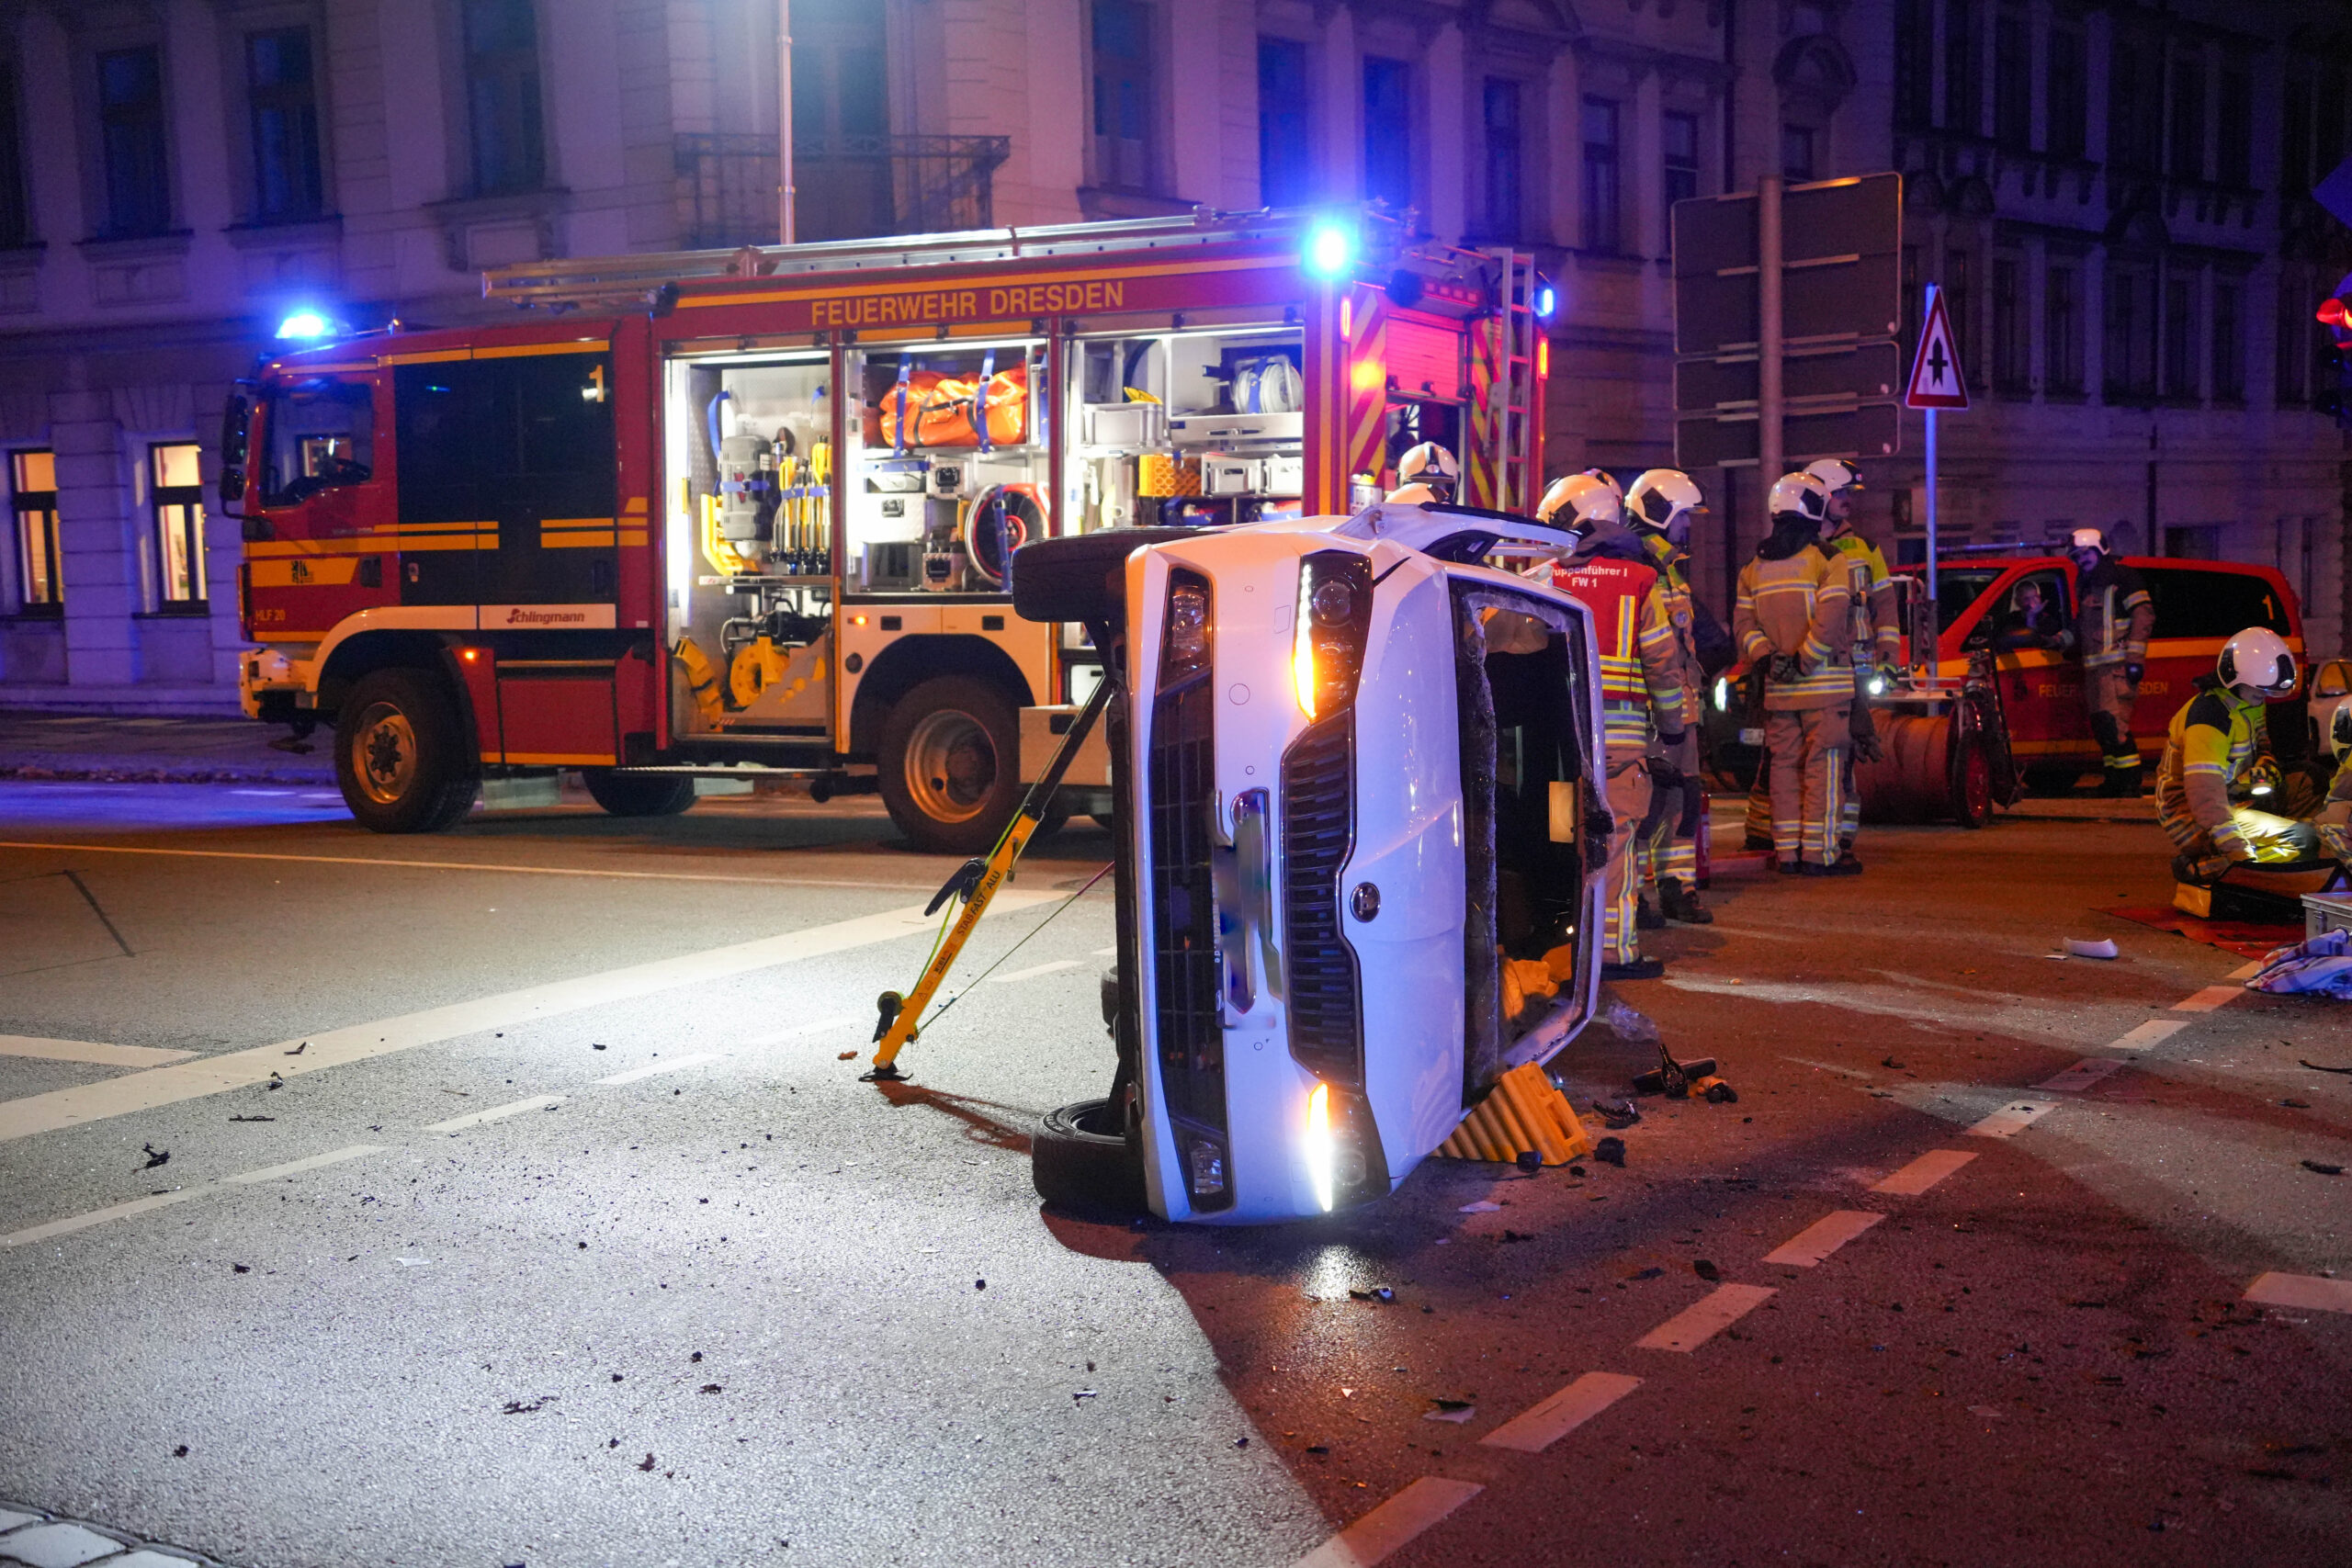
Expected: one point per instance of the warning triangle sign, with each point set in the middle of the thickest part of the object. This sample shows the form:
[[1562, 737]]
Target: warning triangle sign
[[1935, 372]]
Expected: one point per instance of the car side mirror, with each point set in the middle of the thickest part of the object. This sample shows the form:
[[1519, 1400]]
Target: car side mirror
[[234, 420]]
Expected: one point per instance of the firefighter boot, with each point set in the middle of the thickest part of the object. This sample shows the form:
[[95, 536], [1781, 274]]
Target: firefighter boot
[[1678, 901], [1648, 918]]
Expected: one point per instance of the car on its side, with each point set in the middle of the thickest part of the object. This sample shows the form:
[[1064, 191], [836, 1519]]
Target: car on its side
[[1355, 772]]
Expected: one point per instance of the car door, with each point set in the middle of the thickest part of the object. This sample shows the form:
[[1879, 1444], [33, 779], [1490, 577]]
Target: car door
[[2042, 687]]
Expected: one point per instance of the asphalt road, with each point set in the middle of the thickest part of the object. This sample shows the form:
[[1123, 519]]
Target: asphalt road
[[564, 1235]]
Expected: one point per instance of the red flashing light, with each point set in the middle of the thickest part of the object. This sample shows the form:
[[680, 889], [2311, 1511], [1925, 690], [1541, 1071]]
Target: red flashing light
[[2332, 311], [1542, 358]]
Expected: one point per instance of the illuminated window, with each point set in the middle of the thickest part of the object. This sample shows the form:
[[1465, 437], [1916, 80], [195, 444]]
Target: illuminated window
[[33, 486], [176, 499]]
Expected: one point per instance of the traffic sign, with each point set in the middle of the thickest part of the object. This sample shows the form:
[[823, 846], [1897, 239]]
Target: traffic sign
[[1840, 264], [1935, 381]]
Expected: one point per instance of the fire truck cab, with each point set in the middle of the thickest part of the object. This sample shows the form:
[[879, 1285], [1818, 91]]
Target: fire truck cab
[[751, 513]]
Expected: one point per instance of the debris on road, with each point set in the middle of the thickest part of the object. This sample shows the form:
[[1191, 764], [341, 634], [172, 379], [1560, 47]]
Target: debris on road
[[596, 1045], [2317, 1069], [1706, 1271], [2103, 948], [1377, 1294], [2297, 1104], [2323, 1168], [517, 1407], [299, 1049], [1611, 1150], [646, 1463], [1650, 1273], [1077, 1394], [712, 1388], [1483, 1206], [979, 1284], [846, 1057], [1619, 1114], [253, 1117], [241, 1267], [155, 1157], [180, 1452], [1454, 1410]]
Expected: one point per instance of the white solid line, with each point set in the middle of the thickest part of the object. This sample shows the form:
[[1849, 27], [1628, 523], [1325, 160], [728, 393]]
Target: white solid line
[[1033, 971], [838, 1021], [165, 1200], [2247, 970], [1394, 1523], [696, 1060], [1924, 1172], [1822, 1237], [2012, 1119], [89, 1050], [2306, 1291], [1694, 1326], [2083, 1074], [2155, 1032], [1545, 1424], [396, 865], [296, 1166], [498, 1113], [1106, 953], [358, 1042], [2209, 998]]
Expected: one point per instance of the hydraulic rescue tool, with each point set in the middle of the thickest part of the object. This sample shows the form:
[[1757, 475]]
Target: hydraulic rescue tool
[[976, 881]]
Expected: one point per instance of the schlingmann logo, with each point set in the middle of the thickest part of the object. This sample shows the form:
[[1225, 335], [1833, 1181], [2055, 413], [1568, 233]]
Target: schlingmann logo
[[522, 618]]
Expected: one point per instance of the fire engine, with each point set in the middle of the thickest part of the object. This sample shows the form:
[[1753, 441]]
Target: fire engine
[[752, 513]]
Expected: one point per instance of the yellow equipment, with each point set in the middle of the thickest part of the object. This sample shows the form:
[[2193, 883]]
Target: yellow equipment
[[1522, 1113]]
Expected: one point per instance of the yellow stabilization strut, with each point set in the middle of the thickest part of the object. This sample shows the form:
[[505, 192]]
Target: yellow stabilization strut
[[1524, 1113], [977, 881]]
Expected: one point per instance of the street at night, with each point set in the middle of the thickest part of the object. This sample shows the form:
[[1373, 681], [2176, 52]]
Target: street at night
[[521, 1207]]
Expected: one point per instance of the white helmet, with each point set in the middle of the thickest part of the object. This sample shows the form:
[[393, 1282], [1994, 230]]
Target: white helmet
[[2259, 657], [1834, 473], [2087, 539], [1605, 477], [1660, 496], [1431, 465], [1586, 501], [1801, 493]]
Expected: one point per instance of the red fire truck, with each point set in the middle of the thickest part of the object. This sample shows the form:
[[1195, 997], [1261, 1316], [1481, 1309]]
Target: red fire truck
[[751, 512]]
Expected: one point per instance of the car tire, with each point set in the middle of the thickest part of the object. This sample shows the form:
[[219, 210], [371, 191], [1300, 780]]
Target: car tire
[[400, 754], [638, 794], [1080, 577], [950, 764], [1078, 1160]]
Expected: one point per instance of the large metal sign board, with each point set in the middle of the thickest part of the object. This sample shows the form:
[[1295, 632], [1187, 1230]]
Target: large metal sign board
[[1935, 381], [1731, 441], [1841, 262]]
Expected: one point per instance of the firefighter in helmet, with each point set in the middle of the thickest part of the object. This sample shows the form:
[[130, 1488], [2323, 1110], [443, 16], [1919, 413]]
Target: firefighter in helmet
[[2112, 628], [1659, 508], [1612, 573], [2217, 773], [1428, 472], [1877, 637], [2334, 821], [1792, 617]]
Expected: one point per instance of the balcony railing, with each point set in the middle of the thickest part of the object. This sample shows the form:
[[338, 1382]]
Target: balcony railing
[[849, 187]]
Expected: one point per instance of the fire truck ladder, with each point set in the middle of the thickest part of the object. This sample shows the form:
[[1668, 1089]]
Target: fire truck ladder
[[1515, 387]]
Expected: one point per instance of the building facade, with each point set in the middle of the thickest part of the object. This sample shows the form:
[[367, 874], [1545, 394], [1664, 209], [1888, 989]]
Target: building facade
[[2113, 197]]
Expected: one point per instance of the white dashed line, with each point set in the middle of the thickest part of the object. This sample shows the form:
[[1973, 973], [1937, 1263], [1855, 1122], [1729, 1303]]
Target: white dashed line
[[1693, 1326], [89, 1050], [2306, 1291], [1822, 1237], [1546, 1422], [296, 1166], [1381, 1532], [498, 1113], [2155, 1032], [1033, 971], [696, 1060], [2209, 998], [2012, 1119], [2083, 1074], [1924, 1172], [2245, 971], [839, 1020], [165, 1200]]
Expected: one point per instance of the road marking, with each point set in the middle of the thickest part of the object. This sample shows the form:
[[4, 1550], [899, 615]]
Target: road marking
[[2012, 1119], [2308, 1291], [1924, 1172], [394, 864], [1546, 1422], [839, 1020], [2245, 971], [681, 1064], [165, 1200], [2209, 998], [358, 1042], [2083, 1074], [1694, 1326], [1033, 971], [1822, 1237], [89, 1050], [498, 1113], [1389, 1527], [2153, 1032]]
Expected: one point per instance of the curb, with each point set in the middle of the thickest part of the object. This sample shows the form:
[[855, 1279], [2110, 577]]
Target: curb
[[39, 1528]]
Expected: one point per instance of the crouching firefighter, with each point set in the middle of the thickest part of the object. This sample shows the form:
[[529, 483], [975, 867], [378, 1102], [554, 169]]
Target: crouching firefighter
[[1659, 509], [1791, 617], [1641, 686], [2218, 753], [2112, 629]]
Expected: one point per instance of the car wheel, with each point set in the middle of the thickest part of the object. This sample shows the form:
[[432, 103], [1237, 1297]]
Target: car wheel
[[1078, 1159], [1079, 576], [400, 756], [638, 794], [950, 768]]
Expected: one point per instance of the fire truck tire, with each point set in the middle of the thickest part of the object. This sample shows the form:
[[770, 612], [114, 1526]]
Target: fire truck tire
[[950, 760], [1078, 1160], [400, 755], [1074, 578], [622, 795]]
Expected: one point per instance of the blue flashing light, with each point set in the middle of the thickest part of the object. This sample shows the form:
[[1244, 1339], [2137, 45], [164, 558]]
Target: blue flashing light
[[305, 324], [1547, 299], [1331, 250]]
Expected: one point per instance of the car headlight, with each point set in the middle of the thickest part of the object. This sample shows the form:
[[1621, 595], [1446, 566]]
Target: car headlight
[[1334, 618], [1340, 1162], [1186, 640], [1723, 693]]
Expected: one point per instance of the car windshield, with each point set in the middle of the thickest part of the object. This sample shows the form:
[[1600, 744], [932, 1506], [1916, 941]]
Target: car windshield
[[1959, 587]]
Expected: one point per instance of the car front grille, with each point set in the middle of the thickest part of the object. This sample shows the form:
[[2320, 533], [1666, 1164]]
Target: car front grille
[[1184, 955], [1319, 830]]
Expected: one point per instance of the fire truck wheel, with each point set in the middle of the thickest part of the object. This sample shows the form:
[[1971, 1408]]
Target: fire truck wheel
[[1078, 1160], [622, 795], [398, 754], [951, 764], [1074, 577]]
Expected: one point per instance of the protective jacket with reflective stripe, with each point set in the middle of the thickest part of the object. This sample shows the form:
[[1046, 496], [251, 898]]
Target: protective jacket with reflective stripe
[[2214, 738], [2117, 615], [1641, 663], [1796, 607], [1877, 633]]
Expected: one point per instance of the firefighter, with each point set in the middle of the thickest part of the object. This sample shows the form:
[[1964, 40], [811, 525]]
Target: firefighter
[[1428, 472], [2334, 821], [2217, 752], [1641, 685], [1877, 635], [1659, 508], [1791, 617], [2112, 628]]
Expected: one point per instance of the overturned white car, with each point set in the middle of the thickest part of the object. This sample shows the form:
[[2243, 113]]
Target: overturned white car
[[1354, 772]]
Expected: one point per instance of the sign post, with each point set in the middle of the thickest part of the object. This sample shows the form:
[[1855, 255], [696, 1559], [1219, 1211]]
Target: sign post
[[1936, 384]]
